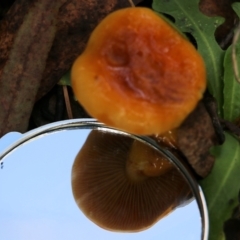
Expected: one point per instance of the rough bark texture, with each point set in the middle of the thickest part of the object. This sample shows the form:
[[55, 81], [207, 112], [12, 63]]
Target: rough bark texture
[[76, 21], [195, 137], [39, 40], [24, 62]]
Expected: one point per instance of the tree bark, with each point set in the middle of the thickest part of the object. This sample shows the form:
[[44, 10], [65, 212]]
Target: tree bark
[[39, 40]]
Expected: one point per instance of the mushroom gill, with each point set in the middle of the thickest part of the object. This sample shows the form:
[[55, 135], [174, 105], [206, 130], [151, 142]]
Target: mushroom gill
[[116, 198]]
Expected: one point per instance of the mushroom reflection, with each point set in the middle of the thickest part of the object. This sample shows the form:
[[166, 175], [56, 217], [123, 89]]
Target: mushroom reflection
[[124, 185]]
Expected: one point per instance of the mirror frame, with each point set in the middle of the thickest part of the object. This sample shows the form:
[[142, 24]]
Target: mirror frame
[[94, 124]]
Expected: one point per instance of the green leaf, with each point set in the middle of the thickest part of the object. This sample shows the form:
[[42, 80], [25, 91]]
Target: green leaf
[[65, 80], [221, 187], [236, 8], [231, 107], [189, 19]]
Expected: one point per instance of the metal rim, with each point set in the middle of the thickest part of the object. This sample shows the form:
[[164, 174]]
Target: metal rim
[[92, 123]]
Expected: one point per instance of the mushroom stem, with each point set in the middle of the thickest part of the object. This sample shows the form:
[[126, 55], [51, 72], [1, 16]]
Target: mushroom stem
[[144, 162]]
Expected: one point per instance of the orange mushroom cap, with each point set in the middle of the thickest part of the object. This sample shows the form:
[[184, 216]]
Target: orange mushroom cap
[[111, 197], [138, 73]]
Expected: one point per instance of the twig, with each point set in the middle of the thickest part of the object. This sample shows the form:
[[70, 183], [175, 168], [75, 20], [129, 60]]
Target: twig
[[67, 102], [234, 58], [59, 108], [231, 127], [211, 107], [131, 3]]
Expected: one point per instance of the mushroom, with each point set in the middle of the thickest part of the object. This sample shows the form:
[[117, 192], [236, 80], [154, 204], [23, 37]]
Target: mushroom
[[124, 185], [138, 73]]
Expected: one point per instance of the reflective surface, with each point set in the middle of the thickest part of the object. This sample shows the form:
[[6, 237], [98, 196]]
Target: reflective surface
[[37, 201]]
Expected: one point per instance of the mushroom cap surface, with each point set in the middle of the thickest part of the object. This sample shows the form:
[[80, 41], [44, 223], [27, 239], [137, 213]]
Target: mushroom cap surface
[[138, 73]]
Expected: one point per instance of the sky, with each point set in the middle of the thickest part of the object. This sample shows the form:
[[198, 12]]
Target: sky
[[36, 200]]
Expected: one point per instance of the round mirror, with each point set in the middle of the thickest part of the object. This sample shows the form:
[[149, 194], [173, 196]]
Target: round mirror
[[79, 179]]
